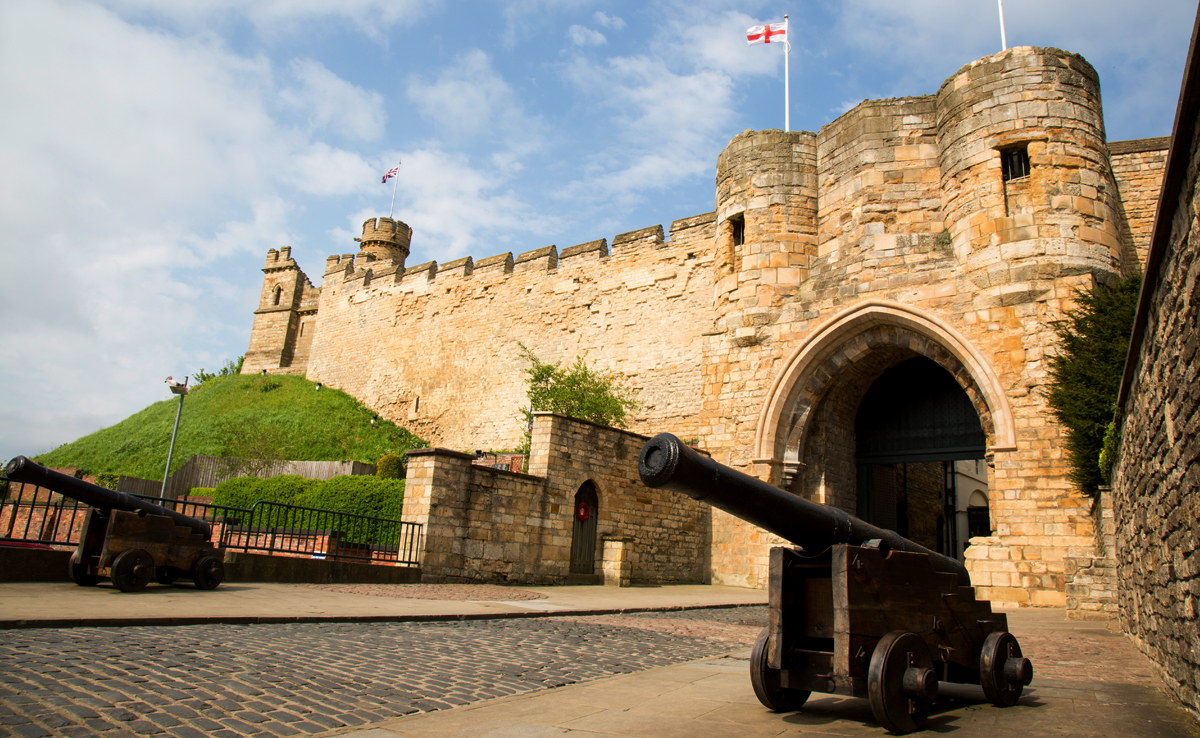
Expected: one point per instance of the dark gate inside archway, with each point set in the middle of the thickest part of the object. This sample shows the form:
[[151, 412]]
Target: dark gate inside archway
[[583, 535], [912, 425]]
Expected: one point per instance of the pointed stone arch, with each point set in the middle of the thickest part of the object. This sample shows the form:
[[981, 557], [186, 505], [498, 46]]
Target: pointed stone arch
[[849, 336]]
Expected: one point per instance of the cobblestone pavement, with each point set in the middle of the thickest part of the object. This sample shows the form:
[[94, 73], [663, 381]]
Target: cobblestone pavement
[[476, 592], [283, 680]]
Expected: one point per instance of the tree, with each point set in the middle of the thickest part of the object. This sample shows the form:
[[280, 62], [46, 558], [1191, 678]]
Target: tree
[[578, 390], [250, 447], [232, 367], [1085, 376]]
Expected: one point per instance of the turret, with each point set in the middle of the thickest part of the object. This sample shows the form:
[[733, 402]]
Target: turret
[[386, 239], [766, 224], [1024, 167]]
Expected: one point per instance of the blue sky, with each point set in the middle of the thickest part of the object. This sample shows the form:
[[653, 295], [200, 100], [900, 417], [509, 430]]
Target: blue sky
[[151, 152]]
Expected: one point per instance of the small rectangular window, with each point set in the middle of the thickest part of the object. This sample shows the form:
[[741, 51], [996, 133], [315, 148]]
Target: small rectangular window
[[739, 229], [979, 523], [1015, 163]]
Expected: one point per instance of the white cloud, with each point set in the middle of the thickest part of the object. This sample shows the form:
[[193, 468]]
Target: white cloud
[[718, 42], [142, 176], [608, 21], [584, 36], [526, 18], [669, 106], [667, 123], [320, 169], [270, 16], [332, 103], [456, 209], [469, 99]]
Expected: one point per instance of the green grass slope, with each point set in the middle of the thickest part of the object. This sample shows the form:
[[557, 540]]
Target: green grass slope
[[263, 416]]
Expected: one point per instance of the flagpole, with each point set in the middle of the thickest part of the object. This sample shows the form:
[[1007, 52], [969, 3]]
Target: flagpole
[[1003, 38], [394, 186], [787, 90]]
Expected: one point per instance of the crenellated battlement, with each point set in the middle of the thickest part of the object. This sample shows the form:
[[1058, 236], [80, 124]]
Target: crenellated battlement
[[365, 269], [385, 239]]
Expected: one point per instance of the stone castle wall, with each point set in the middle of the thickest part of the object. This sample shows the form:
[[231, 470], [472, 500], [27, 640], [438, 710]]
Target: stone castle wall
[[890, 234], [1138, 169], [1156, 480], [435, 347]]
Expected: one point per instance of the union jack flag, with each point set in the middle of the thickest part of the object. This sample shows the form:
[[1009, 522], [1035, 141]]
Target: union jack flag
[[391, 173]]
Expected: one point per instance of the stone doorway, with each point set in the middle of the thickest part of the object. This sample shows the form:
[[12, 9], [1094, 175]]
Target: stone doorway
[[913, 424], [583, 535]]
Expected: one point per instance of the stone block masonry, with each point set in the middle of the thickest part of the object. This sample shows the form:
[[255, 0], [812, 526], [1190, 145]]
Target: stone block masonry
[[1156, 479], [955, 226], [435, 348], [490, 525]]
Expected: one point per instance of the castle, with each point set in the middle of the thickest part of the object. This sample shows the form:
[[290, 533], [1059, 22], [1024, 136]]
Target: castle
[[865, 306]]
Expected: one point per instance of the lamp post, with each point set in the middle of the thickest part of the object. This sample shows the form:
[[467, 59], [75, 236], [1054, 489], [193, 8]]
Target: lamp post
[[180, 389]]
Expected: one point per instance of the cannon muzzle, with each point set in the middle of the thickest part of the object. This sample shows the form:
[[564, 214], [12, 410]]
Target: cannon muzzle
[[667, 463], [22, 469]]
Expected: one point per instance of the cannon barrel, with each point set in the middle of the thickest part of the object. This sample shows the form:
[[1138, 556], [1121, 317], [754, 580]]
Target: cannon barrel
[[667, 463], [22, 469]]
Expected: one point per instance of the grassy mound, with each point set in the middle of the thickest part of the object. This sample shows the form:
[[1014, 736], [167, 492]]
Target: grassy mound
[[266, 417]]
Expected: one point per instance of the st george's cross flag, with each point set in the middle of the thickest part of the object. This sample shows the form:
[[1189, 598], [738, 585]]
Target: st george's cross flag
[[772, 33]]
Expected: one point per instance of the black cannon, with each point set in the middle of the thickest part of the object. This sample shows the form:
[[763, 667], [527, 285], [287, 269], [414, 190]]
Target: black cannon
[[130, 539], [855, 610]]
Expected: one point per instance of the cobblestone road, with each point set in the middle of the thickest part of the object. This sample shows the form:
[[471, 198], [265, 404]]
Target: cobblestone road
[[283, 680]]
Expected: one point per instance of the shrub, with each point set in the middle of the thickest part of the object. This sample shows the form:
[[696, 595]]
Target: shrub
[[1085, 376], [202, 491], [390, 466], [578, 391], [245, 491], [107, 481], [358, 495]]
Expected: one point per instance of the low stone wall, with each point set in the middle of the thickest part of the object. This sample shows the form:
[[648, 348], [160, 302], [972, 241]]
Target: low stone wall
[[45, 565], [484, 524]]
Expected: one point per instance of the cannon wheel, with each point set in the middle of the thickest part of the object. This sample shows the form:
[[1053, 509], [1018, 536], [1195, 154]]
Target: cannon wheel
[[1003, 672], [765, 681], [901, 682], [165, 574], [132, 569], [81, 575], [209, 573]]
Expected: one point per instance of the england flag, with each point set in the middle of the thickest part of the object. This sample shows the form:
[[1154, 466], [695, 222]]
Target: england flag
[[772, 33]]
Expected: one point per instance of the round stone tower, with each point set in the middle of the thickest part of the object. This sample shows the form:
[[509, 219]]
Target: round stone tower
[[386, 239], [1024, 169], [766, 226]]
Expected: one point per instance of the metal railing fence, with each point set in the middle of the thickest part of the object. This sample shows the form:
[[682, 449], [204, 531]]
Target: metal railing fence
[[277, 527], [32, 514]]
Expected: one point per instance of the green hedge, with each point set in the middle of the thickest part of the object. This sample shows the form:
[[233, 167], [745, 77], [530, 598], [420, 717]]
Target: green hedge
[[359, 495], [245, 491], [356, 495]]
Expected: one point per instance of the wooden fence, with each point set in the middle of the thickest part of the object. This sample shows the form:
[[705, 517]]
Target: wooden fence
[[209, 471]]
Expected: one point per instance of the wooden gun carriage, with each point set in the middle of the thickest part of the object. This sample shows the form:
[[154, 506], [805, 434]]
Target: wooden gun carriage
[[128, 539], [856, 610]]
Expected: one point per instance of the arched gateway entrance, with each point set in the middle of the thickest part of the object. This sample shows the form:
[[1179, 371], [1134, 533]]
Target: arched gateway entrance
[[871, 414], [911, 427]]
